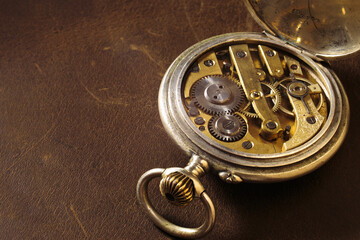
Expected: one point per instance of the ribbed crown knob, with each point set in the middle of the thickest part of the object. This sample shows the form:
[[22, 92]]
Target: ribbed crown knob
[[177, 188]]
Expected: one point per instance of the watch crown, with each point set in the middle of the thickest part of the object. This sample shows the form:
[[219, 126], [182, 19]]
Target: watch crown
[[177, 188]]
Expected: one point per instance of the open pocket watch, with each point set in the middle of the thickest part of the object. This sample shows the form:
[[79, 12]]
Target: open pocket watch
[[256, 107]]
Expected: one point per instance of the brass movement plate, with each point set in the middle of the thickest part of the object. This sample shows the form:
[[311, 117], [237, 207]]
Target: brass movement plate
[[254, 98]]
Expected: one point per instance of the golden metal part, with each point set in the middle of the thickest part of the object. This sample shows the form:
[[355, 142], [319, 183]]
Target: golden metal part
[[273, 94], [308, 121], [228, 177], [261, 73], [259, 144], [177, 188], [314, 88], [250, 82], [271, 59], [204, 70], [293, 65], [255, 141]]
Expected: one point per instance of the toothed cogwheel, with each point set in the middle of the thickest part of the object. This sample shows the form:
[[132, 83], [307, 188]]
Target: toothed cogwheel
[[269, 91], [228, 128], [217, 94]]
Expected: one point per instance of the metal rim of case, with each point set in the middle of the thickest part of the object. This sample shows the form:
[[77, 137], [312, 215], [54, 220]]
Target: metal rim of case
[[192, 140], [267, 23]]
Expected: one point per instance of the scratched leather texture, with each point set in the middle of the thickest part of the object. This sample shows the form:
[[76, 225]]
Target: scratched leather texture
[[79, 124]]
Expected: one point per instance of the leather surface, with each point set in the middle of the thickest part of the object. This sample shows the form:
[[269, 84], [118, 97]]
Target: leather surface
[[79, 124]]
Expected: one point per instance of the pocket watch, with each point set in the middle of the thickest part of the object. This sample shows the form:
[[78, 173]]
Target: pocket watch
[[255, 107]]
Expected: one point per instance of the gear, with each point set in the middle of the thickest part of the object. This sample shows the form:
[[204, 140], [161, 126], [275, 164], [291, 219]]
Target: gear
[[248, 111], [217, 94], [269, 91], [228, 127], [287, 108]]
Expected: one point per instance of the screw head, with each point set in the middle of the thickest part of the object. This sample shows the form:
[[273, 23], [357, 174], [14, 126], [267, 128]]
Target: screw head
[[241, 54], [209, 63], [247, 144], [193, 112], [311, 120], [294, 67], [199, 121], [270, 53], [271, 125], [228, 124], [255, 95]]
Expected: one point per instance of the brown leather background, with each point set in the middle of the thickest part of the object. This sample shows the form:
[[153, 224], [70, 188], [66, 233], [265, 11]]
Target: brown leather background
[[79, 124]]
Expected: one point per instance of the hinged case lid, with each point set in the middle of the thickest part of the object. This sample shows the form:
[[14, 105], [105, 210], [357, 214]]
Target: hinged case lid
[[326, 28]]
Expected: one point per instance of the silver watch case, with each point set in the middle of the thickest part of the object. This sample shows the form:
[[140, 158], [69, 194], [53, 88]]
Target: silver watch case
[[234, 166]]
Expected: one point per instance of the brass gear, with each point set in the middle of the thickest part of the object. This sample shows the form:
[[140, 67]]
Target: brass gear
[[272, 92]]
